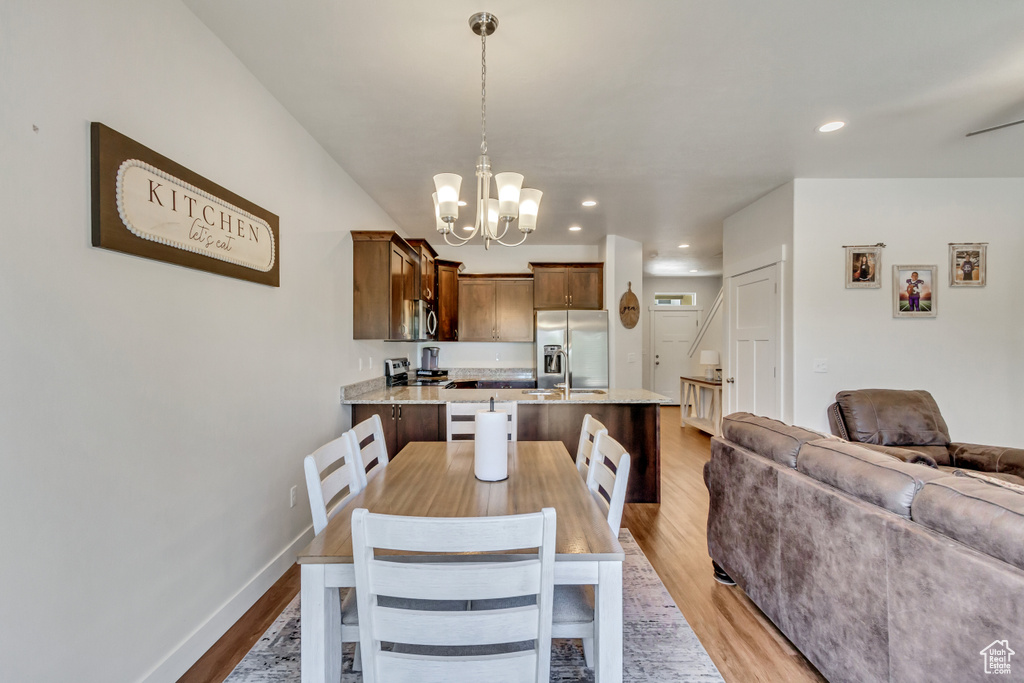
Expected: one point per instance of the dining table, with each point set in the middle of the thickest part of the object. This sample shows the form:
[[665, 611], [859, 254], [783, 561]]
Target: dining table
[[436, 479]]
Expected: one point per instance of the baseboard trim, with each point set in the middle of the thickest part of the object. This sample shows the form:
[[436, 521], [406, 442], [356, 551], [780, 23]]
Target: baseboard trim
[[188, 652]]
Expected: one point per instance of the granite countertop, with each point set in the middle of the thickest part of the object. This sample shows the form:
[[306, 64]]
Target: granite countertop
[[440, 395]]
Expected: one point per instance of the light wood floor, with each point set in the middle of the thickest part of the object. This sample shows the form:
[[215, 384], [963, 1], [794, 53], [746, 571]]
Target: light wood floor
[[744, 645]]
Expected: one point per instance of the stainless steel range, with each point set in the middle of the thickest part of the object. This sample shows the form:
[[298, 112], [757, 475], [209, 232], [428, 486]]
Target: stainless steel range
[[396, 374]]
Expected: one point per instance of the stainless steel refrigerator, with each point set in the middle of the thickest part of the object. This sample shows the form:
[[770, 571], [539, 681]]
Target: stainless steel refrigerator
[[572, 346]]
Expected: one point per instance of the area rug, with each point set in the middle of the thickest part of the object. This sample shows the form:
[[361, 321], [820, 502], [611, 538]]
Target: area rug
[[658, 645]]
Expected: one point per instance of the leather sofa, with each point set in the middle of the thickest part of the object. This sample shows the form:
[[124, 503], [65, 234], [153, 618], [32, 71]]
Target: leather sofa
[[876, 568], [890, 419]]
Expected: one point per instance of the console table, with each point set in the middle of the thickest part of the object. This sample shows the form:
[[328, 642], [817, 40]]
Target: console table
[[701, 404]]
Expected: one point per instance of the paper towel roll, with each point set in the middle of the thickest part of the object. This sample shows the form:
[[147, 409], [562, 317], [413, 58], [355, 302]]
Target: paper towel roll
[[490, 445]]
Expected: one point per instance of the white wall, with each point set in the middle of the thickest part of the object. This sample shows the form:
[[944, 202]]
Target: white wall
[[758, 235], [706, 289], [152, 417], [623, 259], [970, 357]]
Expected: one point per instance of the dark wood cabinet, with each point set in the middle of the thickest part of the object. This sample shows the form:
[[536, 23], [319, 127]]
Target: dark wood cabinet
[[496, 309], [568, 285], [405, 422], [384, 286], [447, 300], [513, 310], [427, 269], [634, 425]]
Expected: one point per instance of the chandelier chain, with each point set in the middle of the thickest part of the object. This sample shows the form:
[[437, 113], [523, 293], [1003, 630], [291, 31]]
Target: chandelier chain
[[483, 92]]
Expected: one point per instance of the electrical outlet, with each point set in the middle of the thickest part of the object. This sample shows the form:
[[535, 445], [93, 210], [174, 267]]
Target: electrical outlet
[[293, 495], [370, 365], [360, 364], [821, 365], [497, 357]]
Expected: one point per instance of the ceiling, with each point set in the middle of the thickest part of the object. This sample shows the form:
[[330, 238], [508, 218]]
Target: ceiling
[[672, 114]]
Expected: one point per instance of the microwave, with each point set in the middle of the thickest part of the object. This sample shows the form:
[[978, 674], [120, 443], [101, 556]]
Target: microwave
[[424, 325]]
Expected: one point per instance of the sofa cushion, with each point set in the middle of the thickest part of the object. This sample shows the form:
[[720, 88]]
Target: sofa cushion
[[891, 417], [984, 515], [873, 477], [770, 438]]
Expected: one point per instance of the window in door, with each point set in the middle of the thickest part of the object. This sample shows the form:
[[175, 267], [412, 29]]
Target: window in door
[[675, 299]]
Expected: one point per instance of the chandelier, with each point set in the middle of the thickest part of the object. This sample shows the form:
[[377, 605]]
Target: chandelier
[[493, 215]]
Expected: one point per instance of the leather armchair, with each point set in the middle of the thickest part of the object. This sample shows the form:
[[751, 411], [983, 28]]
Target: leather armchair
[[893, 420]]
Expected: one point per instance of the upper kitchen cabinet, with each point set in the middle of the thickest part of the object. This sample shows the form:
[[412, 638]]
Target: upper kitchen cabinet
[[427, 270], [385, 283], [496, 308], [568, 285], [447, 299]]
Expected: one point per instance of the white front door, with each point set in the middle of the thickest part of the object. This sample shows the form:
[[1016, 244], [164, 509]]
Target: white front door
[[753, 335], [673, 333]]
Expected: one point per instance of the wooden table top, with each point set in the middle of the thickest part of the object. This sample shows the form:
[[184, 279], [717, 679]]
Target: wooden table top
[[702, 380], [435, 479]]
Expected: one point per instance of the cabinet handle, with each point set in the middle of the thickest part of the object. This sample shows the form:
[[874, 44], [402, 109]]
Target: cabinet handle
[[570, 299], [566, 298], [399, 412], [392, 412]]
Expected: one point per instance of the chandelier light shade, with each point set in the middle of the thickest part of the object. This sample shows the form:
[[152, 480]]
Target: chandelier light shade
[[494, 215]]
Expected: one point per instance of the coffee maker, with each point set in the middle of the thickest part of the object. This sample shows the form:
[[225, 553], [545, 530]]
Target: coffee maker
[[429, 359]]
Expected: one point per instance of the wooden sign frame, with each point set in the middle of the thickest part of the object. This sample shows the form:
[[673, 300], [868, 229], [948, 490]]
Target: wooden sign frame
[[629, 308], [220, 219]]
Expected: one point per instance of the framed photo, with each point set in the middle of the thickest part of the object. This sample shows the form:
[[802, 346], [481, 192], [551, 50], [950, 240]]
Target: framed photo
[[913, 291], [967, 264], [864, 267]]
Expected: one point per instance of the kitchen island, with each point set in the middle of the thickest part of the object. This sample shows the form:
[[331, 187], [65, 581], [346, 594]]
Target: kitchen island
[[631, 416]]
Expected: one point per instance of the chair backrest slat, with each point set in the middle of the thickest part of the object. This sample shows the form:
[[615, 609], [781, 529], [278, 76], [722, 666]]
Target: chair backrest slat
[[373, 454], [462, 419], [456, 580], [426, 585], [339, 461], [600, 476], [483, 627], [588, 436], [514, 667]]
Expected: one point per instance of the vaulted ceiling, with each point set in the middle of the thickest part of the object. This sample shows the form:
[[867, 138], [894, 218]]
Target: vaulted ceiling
[[672, 114]]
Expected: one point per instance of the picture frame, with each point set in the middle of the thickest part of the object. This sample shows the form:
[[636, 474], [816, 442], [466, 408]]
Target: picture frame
[[914, 291], [967, 264], [864, 267]]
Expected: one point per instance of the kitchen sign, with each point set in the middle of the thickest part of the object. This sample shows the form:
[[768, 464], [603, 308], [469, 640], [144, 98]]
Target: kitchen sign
[[150, 206]]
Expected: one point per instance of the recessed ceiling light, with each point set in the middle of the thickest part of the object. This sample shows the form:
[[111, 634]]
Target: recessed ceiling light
[[693, 271], [462, 203], [590, 202], [831, 126], [575, 228], [684, 246], [467, 228]]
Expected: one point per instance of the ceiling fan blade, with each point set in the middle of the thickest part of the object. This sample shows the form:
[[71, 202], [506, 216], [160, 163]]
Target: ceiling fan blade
[[986, 130]]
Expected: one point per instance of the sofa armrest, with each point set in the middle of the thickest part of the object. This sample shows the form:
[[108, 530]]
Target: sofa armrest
[[835, 422], [974, 456]]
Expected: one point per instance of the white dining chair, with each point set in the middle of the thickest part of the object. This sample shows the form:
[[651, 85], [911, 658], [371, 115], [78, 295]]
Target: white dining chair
[[368, 442], [327, 495], [435, 645], [588, 435], [607, 478], [462, 419]]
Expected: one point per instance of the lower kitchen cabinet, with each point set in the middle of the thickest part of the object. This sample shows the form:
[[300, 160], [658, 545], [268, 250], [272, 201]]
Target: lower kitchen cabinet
[[404, 422], [634, 425]]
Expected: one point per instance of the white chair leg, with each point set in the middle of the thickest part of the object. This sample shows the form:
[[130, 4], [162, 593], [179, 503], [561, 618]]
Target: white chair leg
[[588, 652], [357, 660]]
